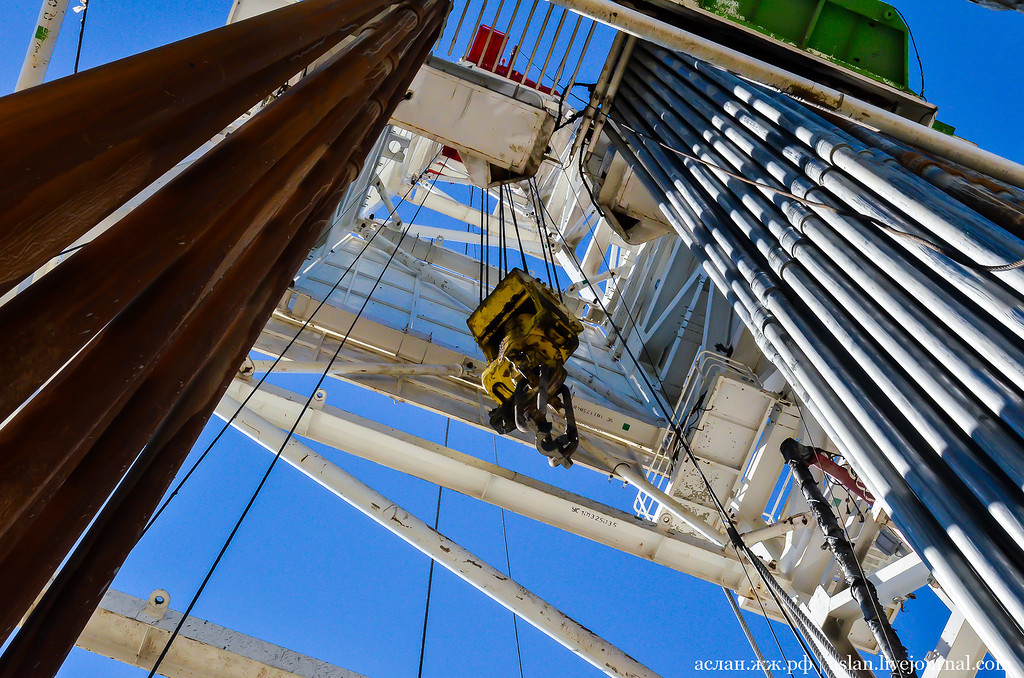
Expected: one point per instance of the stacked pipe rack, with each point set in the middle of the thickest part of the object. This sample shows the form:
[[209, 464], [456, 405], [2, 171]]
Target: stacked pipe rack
[[887, 293]]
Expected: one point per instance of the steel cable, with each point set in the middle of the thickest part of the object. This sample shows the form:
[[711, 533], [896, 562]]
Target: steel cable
[[288, 437]]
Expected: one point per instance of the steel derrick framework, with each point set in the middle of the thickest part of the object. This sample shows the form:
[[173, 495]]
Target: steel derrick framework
[[702, 353]]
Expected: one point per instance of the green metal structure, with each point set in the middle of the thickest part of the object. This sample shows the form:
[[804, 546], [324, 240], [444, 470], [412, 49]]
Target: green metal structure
[[867, 36]]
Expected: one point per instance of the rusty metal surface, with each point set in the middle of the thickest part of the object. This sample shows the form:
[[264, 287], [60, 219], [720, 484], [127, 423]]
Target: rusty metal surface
[[77, 148], [119, 360], [51, 631], [148, 241]]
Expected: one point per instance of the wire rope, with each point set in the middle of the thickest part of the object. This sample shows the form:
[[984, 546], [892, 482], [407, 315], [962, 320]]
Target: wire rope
[[280, 357], [508, 563], [288, 437], [430, 572], [81, 33], [515, 225], [674, 425]]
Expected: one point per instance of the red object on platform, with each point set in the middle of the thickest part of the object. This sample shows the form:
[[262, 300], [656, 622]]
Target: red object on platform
[[477, 55], [492, 56]]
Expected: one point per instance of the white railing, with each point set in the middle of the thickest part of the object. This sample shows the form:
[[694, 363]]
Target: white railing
[[531, 42]]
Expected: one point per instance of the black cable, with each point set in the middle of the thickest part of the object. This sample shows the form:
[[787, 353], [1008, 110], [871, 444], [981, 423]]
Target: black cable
[[486, 207], [480, 281], [546, 232], [508, 563], [280, 451], [502, 245], [81, 33], [430, 572], [280, 357], [515, 225], [590, 192], [917, 52], [545, 245]]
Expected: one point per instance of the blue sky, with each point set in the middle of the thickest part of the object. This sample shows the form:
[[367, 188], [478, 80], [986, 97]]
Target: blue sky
[[309, 573]]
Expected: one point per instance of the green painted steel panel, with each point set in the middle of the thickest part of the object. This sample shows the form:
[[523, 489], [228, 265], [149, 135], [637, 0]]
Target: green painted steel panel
[[867, 36]]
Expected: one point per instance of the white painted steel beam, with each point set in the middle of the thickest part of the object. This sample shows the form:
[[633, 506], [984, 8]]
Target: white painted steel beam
[[897, 579], [496, 485], [134, 631], [958, 653], [40, 48], [464, 564]]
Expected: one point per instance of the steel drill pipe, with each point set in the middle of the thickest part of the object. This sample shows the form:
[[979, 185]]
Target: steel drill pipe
[[949, 350], [157, 233], [841, 166], [776, 241], [987, 198], [46, 540], [51, 631], [944, 301], [965, 586], [146, 326], [903, 444], [78, 148]]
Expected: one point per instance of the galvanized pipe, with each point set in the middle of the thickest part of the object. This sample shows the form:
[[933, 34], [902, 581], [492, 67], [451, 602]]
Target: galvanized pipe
[[462, 563], [902, 447], [1000, 444], [77, 148], [949, 349], [969, 590], [933, 213], [987, 197], [992, 345], [965, 586]]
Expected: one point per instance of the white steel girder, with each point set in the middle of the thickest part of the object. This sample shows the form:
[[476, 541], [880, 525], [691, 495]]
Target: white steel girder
[[618, 434], [134, 631], [474, 477], [577, 638]]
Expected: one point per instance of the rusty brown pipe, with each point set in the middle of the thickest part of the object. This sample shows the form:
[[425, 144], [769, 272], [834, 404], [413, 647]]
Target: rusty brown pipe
[[148, 240], [46, 540], [974, 192], [124, 353], [79, 147], [45, 651]]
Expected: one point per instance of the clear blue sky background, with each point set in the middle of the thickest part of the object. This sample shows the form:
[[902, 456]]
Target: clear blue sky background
[[309, 573]]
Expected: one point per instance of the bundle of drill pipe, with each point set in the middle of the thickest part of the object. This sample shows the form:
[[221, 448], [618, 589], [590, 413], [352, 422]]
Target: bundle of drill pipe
[[115, 360], [874, 278]]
